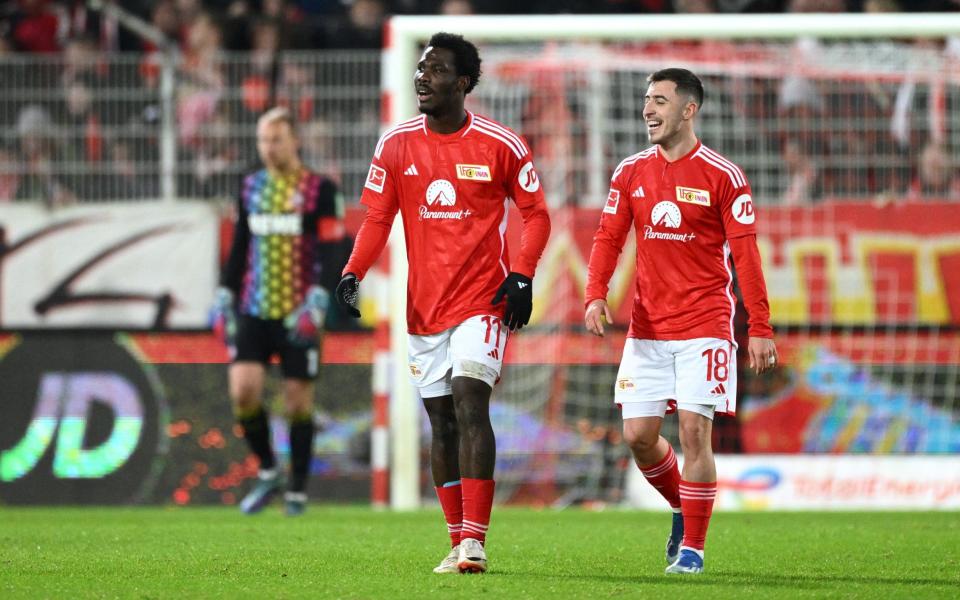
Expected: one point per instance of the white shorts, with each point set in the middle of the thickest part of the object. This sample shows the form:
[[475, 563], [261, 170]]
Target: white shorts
[[473, 348], [657, 375]]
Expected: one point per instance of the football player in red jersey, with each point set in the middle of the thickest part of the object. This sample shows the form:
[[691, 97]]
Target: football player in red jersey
[[451, 174], [692, 210]]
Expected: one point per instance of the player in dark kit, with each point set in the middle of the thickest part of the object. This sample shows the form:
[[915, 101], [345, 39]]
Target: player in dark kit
[[273, 300], [450, 174]]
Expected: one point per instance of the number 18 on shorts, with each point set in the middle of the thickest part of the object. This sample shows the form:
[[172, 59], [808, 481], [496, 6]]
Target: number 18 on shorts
[[699, 371]]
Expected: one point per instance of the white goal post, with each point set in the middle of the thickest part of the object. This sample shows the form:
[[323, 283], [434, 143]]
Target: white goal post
[[404, 37]]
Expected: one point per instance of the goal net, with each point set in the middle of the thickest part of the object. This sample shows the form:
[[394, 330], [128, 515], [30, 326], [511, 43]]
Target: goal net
[[848, 129]]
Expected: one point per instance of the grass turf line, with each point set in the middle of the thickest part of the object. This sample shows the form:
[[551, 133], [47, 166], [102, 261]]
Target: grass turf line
[[352, 552]]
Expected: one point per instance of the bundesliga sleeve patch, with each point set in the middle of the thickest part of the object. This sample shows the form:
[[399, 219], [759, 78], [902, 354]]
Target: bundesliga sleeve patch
[[375, 179], [613, 201]]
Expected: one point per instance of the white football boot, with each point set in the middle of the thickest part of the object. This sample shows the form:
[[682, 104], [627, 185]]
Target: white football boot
[[473, 559], [449, 564]]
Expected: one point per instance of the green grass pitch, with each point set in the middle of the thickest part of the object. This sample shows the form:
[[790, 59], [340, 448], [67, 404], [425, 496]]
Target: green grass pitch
[[353, 552]]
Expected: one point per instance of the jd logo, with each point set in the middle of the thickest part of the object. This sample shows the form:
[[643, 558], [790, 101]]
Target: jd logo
[[80, 421]]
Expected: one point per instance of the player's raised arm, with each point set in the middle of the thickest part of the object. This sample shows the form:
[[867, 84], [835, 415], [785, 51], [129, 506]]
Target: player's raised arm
[[615, 222]]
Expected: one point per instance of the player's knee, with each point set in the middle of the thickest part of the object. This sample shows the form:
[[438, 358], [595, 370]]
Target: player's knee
[[245, 398], [640, 439], [695, 437]]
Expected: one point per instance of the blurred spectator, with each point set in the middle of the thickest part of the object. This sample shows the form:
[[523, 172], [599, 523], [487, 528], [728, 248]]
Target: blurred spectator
[[363, 27], [213, 160], [456, 7], [124, 178], [803, 185], [694, 6], [318, 149], [936, 177], [9, 174], [816, 6], [881, 6], [83, 138], [37, 27], [165, 18], [38, 152]]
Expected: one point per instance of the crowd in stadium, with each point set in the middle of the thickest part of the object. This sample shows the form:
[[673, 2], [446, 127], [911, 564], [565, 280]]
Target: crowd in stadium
[[98, 149], [44, 25]]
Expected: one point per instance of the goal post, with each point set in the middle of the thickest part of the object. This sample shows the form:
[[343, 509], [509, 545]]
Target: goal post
[[404, 37]]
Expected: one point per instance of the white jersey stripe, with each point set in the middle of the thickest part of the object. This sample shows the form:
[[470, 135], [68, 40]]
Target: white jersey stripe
[[722, 159], [411, 125], [733, 177], [478, 127], [732, 171], [729, 288], [632, 159], [503, 236], [498, 127]]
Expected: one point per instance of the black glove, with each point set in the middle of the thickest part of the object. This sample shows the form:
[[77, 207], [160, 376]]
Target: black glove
[[519, 292], [348, 292]]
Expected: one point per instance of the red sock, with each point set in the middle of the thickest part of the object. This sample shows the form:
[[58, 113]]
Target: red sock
[[451, 501], [665, 476], [477, 502], [696, 500]]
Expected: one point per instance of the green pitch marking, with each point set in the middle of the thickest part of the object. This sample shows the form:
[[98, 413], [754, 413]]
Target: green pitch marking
[[344, 552]]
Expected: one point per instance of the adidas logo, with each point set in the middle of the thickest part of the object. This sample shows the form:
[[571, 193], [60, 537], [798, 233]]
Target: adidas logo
[[411, 170], [719, 390], [638, 193], [521, 284], [494, 354]]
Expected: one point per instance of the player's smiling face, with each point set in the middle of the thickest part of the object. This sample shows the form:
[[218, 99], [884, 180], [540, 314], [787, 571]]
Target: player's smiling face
[[665, 112], [438, 87]]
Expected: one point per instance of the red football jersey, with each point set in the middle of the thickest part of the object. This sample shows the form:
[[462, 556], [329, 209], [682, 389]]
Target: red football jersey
[[684, 212], [452, 192]]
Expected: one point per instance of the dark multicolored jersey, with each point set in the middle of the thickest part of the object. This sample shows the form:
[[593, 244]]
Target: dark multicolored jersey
[[287, 237]]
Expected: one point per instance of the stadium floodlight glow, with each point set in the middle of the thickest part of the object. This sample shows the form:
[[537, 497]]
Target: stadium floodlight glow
[[404, 36]]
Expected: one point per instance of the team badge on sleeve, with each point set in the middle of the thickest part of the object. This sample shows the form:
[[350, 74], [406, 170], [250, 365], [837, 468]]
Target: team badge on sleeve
[[528, 178], [375, 179], [613, 201], [743, 209]]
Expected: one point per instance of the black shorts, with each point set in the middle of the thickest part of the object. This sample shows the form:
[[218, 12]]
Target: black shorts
[[259, 339]]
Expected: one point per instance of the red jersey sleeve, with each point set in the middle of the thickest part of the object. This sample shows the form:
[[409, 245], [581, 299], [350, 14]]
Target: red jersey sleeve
[[380, 188], [746, 258], [524, 187], [615, 222], [380, 197], [736, 206]]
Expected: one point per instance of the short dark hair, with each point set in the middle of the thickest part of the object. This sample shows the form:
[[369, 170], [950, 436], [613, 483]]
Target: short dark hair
[[466, 58], [687, 83]]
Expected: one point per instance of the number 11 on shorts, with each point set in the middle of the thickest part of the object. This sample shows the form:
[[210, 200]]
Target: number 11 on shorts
[[717, 364], [491, 321]]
